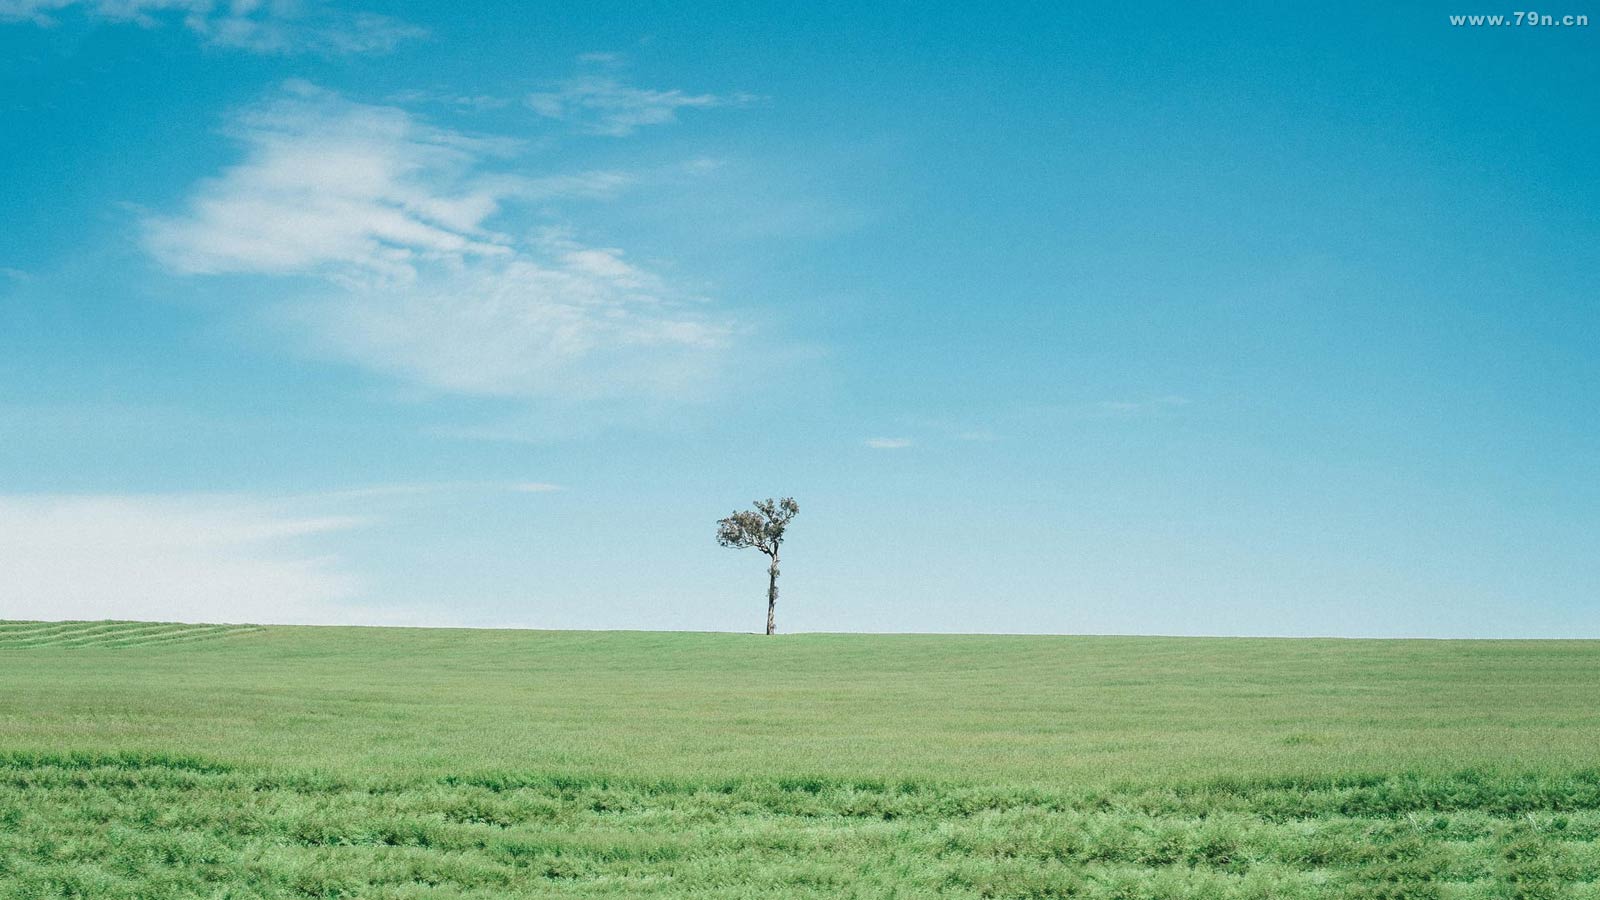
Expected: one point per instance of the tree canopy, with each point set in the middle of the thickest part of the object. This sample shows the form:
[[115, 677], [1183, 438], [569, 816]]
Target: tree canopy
[[761, 528]]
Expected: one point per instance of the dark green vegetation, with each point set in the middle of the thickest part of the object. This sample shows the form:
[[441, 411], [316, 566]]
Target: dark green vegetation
[[298, 762]]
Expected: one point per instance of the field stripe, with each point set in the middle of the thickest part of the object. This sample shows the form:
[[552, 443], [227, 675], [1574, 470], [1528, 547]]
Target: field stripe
[[111, 634], [35, 629], [52, 636], [77, 636], [190, 635], [63, 633], [115, 634]]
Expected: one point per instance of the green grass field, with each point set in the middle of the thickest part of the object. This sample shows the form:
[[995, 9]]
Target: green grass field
[[144, 761]]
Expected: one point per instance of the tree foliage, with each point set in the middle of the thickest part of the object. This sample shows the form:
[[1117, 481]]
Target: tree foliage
[[761, 528]]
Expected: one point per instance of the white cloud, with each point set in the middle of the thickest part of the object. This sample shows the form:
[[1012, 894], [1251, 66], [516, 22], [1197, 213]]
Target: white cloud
[[603, 104], [174, 558], [338, 187], [273, 26], [581, 324], [393, 214], [884, 443]]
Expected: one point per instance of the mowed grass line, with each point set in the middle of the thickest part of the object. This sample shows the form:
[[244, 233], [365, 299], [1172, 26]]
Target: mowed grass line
[[23, 630], [134, 827], [16, 635], [76, 635], [174, 636]]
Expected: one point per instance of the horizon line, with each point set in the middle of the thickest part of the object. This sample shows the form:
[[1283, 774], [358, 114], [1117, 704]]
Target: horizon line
[[1032, 634]]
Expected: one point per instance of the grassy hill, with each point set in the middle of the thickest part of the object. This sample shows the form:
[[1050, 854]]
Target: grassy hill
[[141, 760]]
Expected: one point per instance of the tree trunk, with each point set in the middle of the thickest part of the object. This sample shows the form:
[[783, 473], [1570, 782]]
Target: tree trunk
[[772, 593]]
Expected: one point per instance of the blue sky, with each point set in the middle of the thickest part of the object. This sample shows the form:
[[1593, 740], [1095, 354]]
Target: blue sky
[[1148, 320]]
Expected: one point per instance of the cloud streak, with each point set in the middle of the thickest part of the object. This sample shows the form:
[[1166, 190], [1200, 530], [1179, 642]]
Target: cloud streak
[[605, 105], [393, 217], [339, 188], [273, 26]]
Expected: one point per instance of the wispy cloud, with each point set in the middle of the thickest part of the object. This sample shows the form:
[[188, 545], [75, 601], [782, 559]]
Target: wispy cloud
[[183, 558], [574, 323], [393, 215], [263, 27], [338, 187], [886, 443], [602, 103], [463, 102]]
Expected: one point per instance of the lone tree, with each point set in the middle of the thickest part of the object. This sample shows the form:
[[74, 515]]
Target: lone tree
[[761, 528]]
